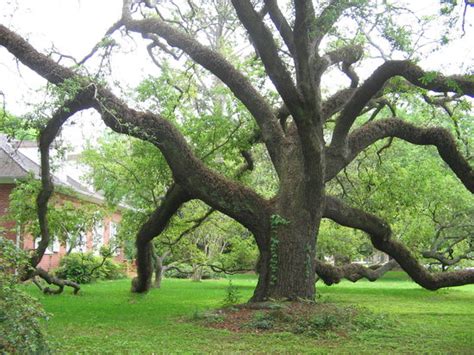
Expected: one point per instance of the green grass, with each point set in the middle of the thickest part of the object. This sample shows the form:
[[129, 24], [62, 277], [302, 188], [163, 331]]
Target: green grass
[[107, 318]]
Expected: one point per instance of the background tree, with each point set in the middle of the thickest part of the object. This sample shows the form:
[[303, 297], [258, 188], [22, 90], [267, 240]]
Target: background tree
[[310, 134]]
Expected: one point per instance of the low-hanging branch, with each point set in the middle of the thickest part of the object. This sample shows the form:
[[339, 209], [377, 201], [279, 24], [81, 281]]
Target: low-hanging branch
[[353, 272], [381, 238]]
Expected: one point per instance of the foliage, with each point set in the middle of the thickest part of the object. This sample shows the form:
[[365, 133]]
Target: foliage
[[20, 314], [67, 219], [84, 268], [232, 295], [17, 128]]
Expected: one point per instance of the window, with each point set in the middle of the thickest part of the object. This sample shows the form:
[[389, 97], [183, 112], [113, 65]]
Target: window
[[51, 249], [113, 238], [78, 243], [98, 237]]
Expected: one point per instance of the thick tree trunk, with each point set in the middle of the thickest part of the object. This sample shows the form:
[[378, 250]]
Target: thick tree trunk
[[142, 283], [286, 266]]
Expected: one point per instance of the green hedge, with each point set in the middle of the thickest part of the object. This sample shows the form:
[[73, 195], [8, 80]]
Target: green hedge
[[20, 314], [79, 267]]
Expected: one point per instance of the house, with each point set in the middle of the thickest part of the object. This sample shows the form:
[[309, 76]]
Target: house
[[19, 160]]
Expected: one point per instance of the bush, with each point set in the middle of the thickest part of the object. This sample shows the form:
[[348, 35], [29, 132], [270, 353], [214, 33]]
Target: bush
[[232, 295], [83, 268], [185, 271], [20, 314]]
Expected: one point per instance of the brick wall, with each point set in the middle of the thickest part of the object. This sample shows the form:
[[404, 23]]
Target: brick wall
[[5, 190], [51, 260]]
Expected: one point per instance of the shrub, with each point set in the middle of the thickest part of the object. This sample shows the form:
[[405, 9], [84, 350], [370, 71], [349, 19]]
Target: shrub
[[85, 268], [20, 314], [232, 295]]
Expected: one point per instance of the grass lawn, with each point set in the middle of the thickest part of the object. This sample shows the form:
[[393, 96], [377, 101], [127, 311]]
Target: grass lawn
[[106, 318]]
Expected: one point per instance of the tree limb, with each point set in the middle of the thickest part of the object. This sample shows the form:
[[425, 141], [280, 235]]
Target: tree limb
[[441, 138], [353, 272], [263, 41], [281, 24], [413, 73], [380, 235]]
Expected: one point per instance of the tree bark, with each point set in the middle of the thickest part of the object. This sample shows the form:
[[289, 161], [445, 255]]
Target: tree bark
[[286, 266]]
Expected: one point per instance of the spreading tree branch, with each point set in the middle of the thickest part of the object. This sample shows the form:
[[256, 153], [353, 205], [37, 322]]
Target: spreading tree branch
[[413, 73], [353, 272], [441, 138], [272, 133], [380, 235]]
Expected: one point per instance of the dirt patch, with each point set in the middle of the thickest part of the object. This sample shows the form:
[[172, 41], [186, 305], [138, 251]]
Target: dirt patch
[[314, 319]]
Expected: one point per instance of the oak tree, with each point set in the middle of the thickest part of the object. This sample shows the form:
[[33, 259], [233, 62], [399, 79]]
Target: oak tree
[[310, 137]]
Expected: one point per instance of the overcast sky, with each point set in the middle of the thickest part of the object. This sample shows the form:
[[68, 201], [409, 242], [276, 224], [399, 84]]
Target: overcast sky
[[75, 26]]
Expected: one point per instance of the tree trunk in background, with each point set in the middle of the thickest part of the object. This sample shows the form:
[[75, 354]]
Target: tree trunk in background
[[197, 273]]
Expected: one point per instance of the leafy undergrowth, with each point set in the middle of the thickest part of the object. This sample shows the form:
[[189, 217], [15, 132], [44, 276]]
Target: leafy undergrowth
[[321, 320]]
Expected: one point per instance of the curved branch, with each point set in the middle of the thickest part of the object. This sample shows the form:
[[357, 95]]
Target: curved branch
[[441, 138], [229, 197], [281, 24], [265, 44], [380, 235], [240, 86], [411, 72], [156, 223], [81, 101], [353, 272]]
